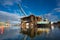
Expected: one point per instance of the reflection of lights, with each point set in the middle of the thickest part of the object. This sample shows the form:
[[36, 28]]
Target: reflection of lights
[[43, 30], [2, 29], [52, 26]]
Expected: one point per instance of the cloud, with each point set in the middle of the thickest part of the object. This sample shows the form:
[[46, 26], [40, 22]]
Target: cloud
[[58, 3], [26, 6], [54, 15], [57, 9], [5, 16], [51, 17], [9, 2], [11, 17]]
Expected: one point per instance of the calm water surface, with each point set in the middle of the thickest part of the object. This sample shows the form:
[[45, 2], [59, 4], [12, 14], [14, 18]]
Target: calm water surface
[[12, 33]]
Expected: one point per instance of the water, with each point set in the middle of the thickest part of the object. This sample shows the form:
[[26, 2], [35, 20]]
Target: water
[[13, 33]]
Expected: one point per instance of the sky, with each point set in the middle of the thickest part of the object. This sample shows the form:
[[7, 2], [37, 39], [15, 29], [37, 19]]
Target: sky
[[49, 9]]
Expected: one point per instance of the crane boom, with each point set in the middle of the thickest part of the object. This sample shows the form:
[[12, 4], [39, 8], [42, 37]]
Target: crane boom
[[21, 9]]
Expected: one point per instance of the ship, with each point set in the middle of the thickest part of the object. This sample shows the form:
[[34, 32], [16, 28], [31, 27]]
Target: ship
[[32, 25]]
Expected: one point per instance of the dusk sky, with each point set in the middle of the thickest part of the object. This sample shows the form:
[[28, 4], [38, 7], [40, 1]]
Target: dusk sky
[[46, 8]]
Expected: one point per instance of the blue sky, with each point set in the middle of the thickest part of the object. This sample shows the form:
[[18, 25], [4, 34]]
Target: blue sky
[[47, 8]]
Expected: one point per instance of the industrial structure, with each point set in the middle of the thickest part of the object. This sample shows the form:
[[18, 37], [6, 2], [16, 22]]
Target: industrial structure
[[32, 25]]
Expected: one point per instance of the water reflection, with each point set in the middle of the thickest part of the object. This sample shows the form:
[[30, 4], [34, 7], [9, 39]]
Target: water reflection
[[13, 33]]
